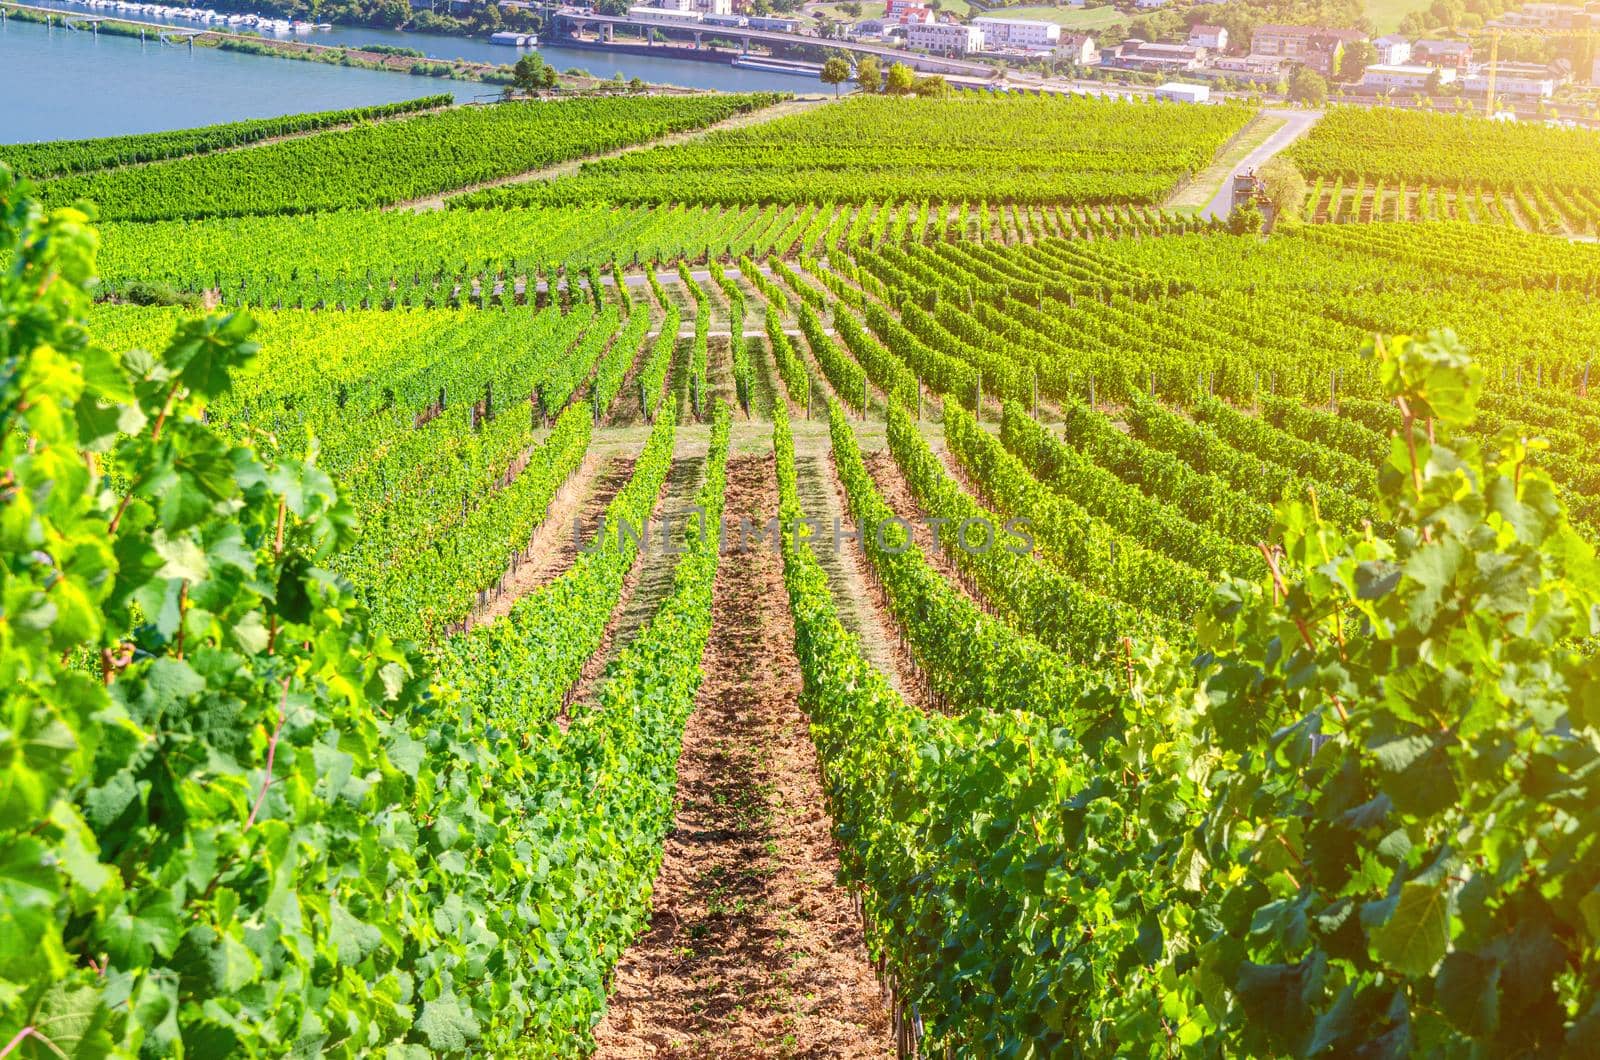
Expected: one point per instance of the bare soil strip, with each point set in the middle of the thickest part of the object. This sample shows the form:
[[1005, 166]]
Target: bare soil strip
[[626, 409], [896, 493], [753, 949], [551, 550], [650, 579], [863, 609]]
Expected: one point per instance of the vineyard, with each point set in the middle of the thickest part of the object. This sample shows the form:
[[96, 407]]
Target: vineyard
[[913, 615], [386, 162], [1022, 150], [1381, 164]]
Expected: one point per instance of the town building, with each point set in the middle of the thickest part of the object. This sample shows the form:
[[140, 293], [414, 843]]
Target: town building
[[1594, 72], [1549, 16], [1149, 5], [1317, 47], [1211, 38], [1251, 65], [1456, 54], [1393, 50], [1529, 80], [1136, 54], [1183, 93], [663, 14], [1077, 48], [945, 38], [712, 7], [1032, 35], [1398, 77]]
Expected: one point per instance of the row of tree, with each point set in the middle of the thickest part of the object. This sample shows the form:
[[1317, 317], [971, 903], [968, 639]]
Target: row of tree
[[869, 75]]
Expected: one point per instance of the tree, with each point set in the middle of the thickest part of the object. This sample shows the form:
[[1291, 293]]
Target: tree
[[1358, 55], [1285, 189], [1435, 80], [900, 80], [1245, 219], [635, 85], [933, 85], [868, 74], [835, 72], [547, 78], [1307, 86], [527, 76]]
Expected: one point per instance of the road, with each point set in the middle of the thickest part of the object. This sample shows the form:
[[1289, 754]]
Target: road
[[1297, 124]]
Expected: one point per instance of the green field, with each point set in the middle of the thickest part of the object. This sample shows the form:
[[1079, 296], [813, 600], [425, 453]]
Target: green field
[[1385, 15], [1082, 18]]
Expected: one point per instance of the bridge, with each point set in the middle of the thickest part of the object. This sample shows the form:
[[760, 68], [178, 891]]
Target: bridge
[[578, 22], [163, 32]]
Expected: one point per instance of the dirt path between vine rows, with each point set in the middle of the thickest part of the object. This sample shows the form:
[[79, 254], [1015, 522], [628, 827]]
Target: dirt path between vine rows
[[551, 549], [753, 949]]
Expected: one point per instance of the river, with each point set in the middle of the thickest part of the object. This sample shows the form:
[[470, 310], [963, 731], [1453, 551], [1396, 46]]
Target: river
[[67, 84]]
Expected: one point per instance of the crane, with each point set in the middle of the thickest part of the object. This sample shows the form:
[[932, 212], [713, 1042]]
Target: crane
[[1496, 32]]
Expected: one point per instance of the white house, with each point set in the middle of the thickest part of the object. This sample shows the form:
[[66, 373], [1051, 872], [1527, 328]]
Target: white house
[[1079, 48], [945, 37], [1514, 79], [1398, 77], [1211, 38], [1252, 65], [713, 7], [1393, 50], [1146, 5], [674, 5], [1017, 33], [1183, 93]]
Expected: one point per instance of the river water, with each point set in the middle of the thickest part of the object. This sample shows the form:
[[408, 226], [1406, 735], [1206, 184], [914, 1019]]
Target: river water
[[66, 84]]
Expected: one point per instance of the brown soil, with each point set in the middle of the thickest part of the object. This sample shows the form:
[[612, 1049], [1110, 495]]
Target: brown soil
[[902, 667], [625, 410], [753, 949], [649, 579], [551, 550], [896, 493]]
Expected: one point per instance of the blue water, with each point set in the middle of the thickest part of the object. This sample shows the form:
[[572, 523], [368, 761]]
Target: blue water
[[66, 84]]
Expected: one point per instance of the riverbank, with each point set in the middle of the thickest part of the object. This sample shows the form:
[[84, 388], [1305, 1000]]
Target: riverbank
[[305, 51]]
